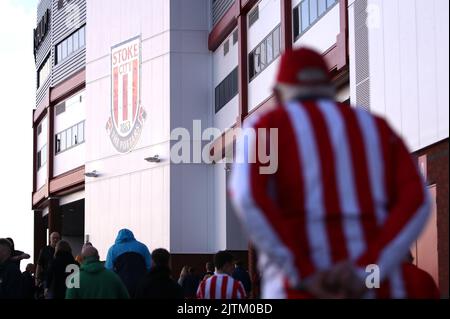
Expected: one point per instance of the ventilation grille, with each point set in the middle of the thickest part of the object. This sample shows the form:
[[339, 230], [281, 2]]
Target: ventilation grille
[[253, 16], [219, 8], [226, 47], [61, 108], [362, 55]]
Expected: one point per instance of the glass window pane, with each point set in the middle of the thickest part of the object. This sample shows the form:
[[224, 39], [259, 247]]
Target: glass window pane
[[295, 21], [69, 45], [330, 3], [263, 55], [75, 135], [64, 50], [82, 37], [269, 47], [312, 11], [81, 132], [257, 59], [58, 53], [276, 43], [63, 141], [76, 40], [322, 6], [57, 143], [69, 138], [305, 15]]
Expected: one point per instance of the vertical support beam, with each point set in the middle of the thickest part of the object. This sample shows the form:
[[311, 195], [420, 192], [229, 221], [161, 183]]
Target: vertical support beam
[[242, 76], [40, 239], [54, 216], [34, 157], [50, 144], [342, 37], [286, 24]]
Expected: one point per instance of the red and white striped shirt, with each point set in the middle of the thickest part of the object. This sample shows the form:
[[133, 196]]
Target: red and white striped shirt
[[346, 188], [221, 286]]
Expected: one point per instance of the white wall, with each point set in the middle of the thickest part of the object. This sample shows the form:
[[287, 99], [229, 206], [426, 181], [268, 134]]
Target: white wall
[[129, 192], [75, 112], [191, 98], [222, 67], [260, 88], [41, 175], [322, 35], [409, 68]]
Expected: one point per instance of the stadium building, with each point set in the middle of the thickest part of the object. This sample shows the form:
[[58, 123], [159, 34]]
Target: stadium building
[[117, 80]]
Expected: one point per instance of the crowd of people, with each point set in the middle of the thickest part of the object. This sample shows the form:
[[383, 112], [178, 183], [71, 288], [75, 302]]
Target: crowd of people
[[129, 271], [346, 195]]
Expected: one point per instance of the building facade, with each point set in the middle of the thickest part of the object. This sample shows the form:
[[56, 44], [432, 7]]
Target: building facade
[[153, 71], [59, 122]]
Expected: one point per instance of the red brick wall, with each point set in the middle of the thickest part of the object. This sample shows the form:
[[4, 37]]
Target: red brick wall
[[437, 173]]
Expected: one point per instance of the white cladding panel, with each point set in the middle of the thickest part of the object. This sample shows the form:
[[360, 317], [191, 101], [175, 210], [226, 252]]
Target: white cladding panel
[[164, 204], [130, 192], [191, 98], [322, 35], [260, 88], [75, 112], [269, 18], [409, 68], [41, 174], [223, 65]]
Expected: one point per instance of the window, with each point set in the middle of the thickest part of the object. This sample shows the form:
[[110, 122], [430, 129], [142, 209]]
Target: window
[[60, 4], [264, 53], [69, 138], [235, 37], [41, 157], [70, 45], [226, 90], [308, 12], [226, 47], [39, 129], [43, 72], [253, 16], [60, 108]]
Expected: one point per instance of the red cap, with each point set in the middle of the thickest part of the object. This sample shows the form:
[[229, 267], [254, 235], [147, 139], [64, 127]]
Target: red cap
[[303, 67]]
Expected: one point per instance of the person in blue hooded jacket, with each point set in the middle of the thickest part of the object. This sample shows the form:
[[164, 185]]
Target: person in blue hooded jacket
[[128, 258]]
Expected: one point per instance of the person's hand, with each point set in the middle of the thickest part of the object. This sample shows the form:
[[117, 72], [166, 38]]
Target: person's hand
[[340, 281], [343, 279], [317, 287]]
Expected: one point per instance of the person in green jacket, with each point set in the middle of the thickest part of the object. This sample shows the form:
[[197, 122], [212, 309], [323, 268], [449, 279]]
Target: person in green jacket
[[96, 282]]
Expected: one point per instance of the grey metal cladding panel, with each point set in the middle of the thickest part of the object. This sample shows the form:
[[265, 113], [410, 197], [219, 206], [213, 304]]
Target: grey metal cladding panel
[[69, 66], [219, 8], [45, 46], [40, 94], [62, 22], [42, 7], [363, 94], [43, 51]]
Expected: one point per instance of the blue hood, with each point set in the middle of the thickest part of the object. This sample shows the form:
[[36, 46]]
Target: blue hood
[[126, 242], [124, 235]]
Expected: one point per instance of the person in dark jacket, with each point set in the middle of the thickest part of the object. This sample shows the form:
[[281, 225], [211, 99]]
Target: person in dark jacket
[[128, 258], [46, 255], [29, 288], [96, 282], [17, 255], [56, 277], [158, 284], [190, 283], [239, 273], [10, 275]]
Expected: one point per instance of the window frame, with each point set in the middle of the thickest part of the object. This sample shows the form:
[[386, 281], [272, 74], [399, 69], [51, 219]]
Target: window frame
[[252, 73], [298, 7], [65, 134], [59, 47]]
